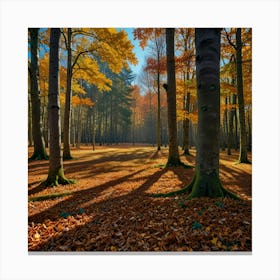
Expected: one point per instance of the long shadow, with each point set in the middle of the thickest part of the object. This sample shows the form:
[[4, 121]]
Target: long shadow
[[37, 189], [129, 212], [242, 179], [131, 198], [90, 167], [77, 198]]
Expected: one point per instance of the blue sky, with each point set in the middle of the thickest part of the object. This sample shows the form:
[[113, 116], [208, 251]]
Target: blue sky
[[140, 54]]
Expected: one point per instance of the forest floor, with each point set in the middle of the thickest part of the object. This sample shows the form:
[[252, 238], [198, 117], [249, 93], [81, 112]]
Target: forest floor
[[110, 207]]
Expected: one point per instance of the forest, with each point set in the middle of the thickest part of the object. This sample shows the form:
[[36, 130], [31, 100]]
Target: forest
[[140, 139]]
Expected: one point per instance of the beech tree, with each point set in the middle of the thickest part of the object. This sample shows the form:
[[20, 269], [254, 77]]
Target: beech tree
[[56, 173], [38, 140], [206, 181], [243, 158], [173, 156]]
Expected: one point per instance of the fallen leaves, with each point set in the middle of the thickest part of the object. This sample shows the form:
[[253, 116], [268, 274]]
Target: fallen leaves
[[114, 212]]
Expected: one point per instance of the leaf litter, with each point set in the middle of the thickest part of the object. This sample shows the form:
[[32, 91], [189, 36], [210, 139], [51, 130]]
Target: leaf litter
[[110, 208]]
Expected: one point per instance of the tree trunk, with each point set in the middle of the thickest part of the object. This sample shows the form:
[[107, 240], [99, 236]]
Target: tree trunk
[[158, 113], [38, 140], [79, 127], [30, 138], [173, 157], [93, 128], [206, 181], [186, 126], [227, 127], [68, 97], [56, 173], [243, 141], [249, 132]]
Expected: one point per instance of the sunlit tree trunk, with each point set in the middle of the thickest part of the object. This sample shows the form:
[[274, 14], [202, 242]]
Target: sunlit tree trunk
[[243, 141], [206, 181], [68, 97], [56, 173], [173, 157], [38, 140]]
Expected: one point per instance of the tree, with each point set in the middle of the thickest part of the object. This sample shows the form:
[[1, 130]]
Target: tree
[[56, 173], [185, 63], [243, 141], [243, 158], [206, 181], [173, 157], [90, 45], [155, 35], [39, 144]]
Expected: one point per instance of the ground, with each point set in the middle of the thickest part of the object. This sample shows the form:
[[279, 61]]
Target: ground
[[111, 207]]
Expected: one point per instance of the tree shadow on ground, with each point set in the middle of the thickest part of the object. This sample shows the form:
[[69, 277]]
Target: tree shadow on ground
[[81, 197]]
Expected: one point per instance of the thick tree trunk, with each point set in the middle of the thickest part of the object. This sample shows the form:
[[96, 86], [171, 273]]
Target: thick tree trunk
[[38, 140], [173, 157], [67, 112], [206, 181], [243, 141], [56, 173]]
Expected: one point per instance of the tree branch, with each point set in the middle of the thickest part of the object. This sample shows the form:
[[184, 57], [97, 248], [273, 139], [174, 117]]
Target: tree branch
[[230, 42]]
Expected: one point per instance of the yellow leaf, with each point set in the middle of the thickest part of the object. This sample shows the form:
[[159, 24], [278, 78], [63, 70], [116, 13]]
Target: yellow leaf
[[37, 235], [113, 248], [214, 241]]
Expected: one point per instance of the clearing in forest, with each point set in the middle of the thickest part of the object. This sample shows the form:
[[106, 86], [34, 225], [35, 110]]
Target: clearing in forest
[[111, 207]]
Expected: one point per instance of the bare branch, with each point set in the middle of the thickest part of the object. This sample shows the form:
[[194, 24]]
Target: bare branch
[[229, 40]]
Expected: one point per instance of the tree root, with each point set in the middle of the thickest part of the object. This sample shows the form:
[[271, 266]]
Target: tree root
[[53, 181], [39, 156], [188, 190]]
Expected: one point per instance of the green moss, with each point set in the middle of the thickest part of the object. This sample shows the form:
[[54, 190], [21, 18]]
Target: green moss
[[56, 177], [39, 155]]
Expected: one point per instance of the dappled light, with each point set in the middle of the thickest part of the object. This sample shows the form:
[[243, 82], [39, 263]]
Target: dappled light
[[139, 139], [111, 207]]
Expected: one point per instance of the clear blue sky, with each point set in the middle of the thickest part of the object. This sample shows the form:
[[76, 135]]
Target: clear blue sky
[[140, 54]]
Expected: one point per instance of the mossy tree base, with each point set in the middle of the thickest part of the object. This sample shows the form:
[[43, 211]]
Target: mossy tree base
[[39, 155], [244, 161], [201, 186], [186, 152], [176, 163], [67, 157], [56, 178]]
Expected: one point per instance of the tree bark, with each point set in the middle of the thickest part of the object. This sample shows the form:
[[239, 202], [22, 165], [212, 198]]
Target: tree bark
[[186, 126], [68, 97], [206, 181], [56, 173], [173, 157], [38, 140], [243, 141], [158, 108]]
